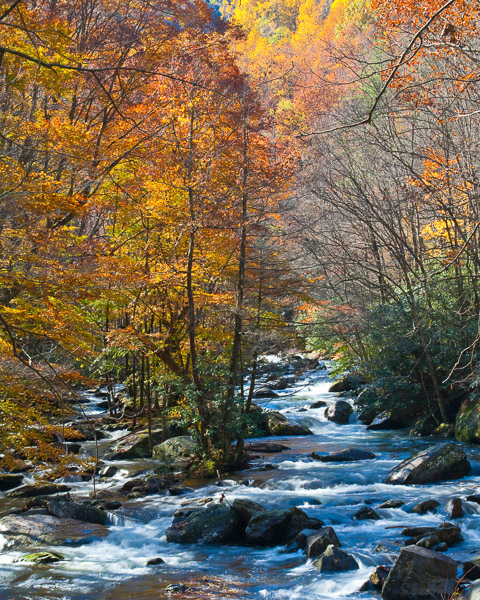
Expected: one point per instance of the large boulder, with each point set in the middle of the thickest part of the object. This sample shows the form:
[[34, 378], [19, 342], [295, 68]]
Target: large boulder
[[176, 453], [214, 524], [319, 541], [436, 463], [467, 424], [135, 445], [334, 559], [347, 455], [275, 527], [420, 574], [278, 424], [33, 530], [339, 412]]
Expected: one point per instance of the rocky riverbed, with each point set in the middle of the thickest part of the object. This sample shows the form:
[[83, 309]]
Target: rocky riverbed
[[325, 514]]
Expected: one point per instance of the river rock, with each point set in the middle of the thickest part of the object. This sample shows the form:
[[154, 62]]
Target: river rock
[[246, 508], [108, 471], [278, 424], [471, 568], [38, 489], [275, 527], [467, 424], [42, 558], [135, 445], [33, 530], [378, 577], [392, 503], [265, 392], [214, 524], [9, 481], [425, 506], [339, 412], [155, 561], [318, 404], [366, 513], [420, 574], [176, 453], [347, 455], [334, 559], [388, 420], [454, 509], [66, 508], [436, 463], [447, 533], [319, 541]]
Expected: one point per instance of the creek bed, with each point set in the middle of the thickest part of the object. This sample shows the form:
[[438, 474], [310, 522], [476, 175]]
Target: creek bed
[[115, 568]]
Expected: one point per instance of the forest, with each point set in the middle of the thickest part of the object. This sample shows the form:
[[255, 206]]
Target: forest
[[201, 198]]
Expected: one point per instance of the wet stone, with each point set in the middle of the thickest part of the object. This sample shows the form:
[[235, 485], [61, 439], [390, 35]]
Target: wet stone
[[155, 561], [420, 574], [437, 463], [425, 506], [319, 541], [454, 508], [391, 504], [366, 513], [334, 559]]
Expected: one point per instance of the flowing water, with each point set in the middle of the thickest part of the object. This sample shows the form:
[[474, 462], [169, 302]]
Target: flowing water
[[114, 568]]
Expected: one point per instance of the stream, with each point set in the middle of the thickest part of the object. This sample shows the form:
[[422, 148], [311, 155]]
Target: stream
[[114, 568]]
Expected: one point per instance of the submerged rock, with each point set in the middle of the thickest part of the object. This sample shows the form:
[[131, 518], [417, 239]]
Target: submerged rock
[[347, 455], [176, 453], [32, 530], [334, 559], [436, 463], [214, 524], [278, 424], [266, 447], [339, 412], [420, 574]]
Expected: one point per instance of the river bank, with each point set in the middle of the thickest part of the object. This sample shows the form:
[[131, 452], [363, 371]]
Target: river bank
[[116, 565]]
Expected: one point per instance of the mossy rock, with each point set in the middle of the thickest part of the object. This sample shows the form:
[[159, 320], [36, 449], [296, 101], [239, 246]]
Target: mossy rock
[[467, 426], [42, 558]]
